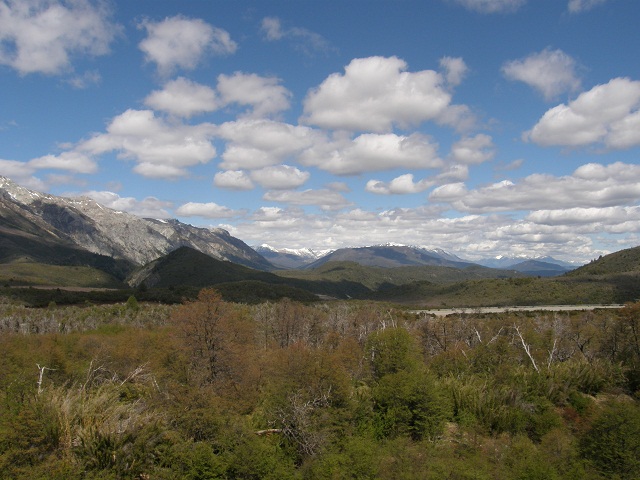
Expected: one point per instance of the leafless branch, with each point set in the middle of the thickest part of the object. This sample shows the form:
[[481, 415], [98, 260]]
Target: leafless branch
[[41, 375], [477, 334], [527, 348], [552, 353]]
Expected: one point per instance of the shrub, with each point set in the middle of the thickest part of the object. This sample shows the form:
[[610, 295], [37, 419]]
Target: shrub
[[612, 444], [412, 404]]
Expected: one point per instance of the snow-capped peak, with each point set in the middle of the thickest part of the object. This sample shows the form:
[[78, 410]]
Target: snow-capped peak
[[298, 252]]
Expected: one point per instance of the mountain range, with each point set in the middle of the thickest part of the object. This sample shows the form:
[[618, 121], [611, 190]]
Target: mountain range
[[38, 228], [47, 240], [82, 223], [392, 255]]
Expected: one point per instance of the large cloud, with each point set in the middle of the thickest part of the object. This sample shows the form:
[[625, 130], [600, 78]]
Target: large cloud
[[160, 149], [207, 210], [376, 94], [373, 152], [184, 98], [325, 199], [233, 180], [21, 173], [280, 177], [592, 185], [551, 72], [595, 220], [607, 114], [263, 94], [276, 177], [404, 184], [181, 42], [258, 143], [473, 150], [42, 36], [72, 161]]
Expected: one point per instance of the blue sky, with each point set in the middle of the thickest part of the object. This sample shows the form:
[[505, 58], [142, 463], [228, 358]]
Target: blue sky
[[483, 127]]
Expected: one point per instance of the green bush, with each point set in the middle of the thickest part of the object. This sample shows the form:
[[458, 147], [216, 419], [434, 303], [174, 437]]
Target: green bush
[[391, 350], [411, 404], [612, 444]]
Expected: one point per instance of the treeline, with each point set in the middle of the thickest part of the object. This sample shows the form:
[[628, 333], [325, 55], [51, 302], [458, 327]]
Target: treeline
[[251, 292], [41, 297], [213, 389]]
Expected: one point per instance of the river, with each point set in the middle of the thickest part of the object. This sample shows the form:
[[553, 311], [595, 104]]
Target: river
[[443, 312]]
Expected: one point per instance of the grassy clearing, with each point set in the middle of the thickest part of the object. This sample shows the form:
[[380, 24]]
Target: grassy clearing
[[25, 273]]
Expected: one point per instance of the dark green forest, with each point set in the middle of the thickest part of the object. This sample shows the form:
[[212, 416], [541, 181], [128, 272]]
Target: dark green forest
[[210, 389]]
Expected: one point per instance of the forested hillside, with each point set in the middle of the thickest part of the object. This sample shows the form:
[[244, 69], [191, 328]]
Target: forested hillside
[[211, 389]]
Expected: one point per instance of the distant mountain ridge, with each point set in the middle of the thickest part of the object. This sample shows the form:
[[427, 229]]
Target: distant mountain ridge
[[503, 261], [83, 223], [391, 256], [538, 268], [289, 258]]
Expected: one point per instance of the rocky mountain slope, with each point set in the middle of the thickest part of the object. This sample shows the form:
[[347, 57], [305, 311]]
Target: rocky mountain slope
[[83, 223]]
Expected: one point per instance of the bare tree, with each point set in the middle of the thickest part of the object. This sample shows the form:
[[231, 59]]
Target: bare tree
[[296, 420], [203, 327]]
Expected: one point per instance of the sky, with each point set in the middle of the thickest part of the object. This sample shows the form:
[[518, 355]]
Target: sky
[[482, 127]]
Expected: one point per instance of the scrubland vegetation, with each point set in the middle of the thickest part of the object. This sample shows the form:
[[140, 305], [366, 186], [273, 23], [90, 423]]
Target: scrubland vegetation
[[212, 389]]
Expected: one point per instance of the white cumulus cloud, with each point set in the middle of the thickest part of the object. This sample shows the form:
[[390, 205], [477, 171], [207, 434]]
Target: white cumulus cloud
[[376, 94], [455, 69], [183, 97], [264, 94], [607, 114], [372, 152], [44, 35], [280, 177], [181, 42], [160, 149], [258, 143], [324, 198], [404, 184], [233, 180], [21, 173], [611, 216], [591, 185], [72, 161], [473, 150], [206, 210], [551, 72]]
